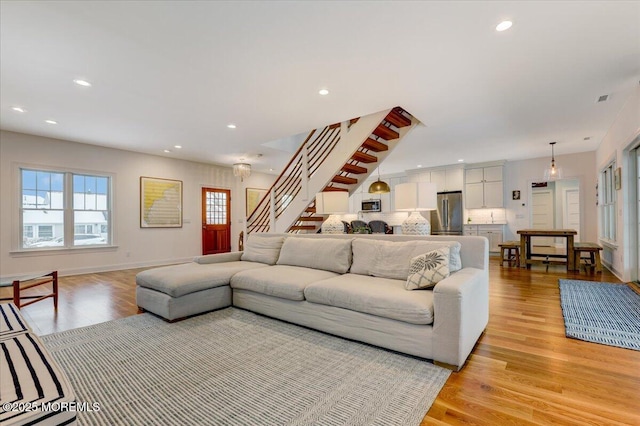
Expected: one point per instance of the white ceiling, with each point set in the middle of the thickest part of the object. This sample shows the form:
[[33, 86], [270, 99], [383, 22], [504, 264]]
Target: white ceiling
[[167, 73]]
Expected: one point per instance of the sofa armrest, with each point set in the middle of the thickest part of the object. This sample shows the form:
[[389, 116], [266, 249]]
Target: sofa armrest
[[233, 256], [461, 313]]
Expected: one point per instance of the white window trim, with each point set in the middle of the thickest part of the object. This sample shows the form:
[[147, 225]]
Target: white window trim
[[602, 191], [16, 211]]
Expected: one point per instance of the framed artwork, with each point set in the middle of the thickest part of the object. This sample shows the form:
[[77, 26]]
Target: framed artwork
[[515, 195], [253, 197], [160, 203], [618, 178]]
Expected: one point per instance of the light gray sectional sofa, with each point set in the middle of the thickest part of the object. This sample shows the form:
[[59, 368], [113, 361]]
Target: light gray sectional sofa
[[347, 285]]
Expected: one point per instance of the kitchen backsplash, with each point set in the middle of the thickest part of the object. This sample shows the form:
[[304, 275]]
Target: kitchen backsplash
[[483, 216]]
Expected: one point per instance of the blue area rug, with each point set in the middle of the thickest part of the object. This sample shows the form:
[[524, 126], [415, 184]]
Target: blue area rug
[[601, 312]]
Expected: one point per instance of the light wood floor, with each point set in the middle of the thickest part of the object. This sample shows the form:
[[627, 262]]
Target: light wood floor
[[522, 371]]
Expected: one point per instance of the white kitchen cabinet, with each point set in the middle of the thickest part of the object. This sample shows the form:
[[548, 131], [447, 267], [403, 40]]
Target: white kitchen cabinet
[[484, 188], [448, 179], [471, 230], [494, 233]]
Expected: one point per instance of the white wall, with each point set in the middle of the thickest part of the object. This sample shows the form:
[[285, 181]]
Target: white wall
[[616, 143], [135, 246], [518, 175]]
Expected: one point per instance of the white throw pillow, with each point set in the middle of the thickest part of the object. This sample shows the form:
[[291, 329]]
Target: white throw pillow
[[262, 249], [428, 269], [329, 254]]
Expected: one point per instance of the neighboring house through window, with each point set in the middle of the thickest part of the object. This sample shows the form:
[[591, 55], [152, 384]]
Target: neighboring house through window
[[64, 209]]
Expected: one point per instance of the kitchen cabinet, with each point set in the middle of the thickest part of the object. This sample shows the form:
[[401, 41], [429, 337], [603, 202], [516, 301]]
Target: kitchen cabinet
[[493, 233], [448, 179], [484, 187]]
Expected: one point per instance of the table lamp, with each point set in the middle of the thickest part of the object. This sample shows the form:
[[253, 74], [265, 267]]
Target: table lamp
[[416, 197], [332, 203]]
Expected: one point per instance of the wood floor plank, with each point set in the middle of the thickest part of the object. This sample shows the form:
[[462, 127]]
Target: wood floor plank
[[523, 370]]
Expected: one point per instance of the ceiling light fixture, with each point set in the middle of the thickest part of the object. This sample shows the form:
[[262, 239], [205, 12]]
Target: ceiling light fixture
[[50, 121], [553, 172], [83, 83], [177, 146], [419, 166], [504, 25], [323, 92], [461, 160], [18, 109], [231, 126], [167, 151], [242, 170], [379, 187]]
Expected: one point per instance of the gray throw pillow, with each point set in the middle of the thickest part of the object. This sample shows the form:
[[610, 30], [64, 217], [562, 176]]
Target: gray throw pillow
[[263, 249], [329, 254]]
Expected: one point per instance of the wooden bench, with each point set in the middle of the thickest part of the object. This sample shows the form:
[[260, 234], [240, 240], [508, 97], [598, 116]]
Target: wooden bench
[[512, 251], [593, 259]]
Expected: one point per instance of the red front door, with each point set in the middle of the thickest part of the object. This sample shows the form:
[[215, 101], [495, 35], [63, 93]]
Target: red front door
[[216, 220]]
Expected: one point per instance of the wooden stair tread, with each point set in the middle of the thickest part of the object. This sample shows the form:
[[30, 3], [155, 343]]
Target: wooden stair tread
[[310, 210], [386, 133], [344, 180], [397, 119], [302, 228], [352, 168], [374, 145], [334, 188], [311, 219], [363, 157]]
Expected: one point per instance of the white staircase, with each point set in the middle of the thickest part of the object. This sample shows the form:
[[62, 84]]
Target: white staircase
[[338, 157]]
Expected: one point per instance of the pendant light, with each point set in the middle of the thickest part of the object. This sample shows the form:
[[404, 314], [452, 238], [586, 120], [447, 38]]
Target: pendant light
[[553, 172], [379, 187]]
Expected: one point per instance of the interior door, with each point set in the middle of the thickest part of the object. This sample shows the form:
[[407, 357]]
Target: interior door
[[571, 219], [216, 220], [542, 211]]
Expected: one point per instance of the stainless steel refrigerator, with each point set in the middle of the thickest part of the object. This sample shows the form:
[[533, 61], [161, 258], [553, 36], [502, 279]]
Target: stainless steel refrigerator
[[447, 219]]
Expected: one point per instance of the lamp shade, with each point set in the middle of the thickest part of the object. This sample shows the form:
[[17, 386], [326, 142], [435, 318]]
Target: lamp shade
[[416, 196], [332, 202]]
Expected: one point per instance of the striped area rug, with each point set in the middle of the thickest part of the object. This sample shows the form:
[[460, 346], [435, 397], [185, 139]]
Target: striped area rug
[[233, 367], [601, 312]]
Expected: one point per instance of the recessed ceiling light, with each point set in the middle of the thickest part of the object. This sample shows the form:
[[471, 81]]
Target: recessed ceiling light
[[323, 92], [270, 170], [231, 126], [50, 121], [504, 25], [460, 160], [177, 146], [166, 150], [18, 109], [419, 166], [83, 83]]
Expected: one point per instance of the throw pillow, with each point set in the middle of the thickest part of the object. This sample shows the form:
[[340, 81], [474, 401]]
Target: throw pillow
[[262, 249], [329, 254], [428, 269]]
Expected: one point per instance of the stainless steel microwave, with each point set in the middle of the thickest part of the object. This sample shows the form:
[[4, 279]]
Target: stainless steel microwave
[[371, 206]]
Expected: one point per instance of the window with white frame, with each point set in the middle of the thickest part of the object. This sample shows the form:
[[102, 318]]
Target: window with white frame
[[608, 203], [66, 209]]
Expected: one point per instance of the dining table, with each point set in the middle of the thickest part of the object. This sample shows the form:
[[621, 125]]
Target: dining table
[[525, 245]]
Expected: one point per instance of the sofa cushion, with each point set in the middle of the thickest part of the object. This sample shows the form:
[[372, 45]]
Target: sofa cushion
[[178, 280], [329, 254], [371, 295], [390, 259], [428, 269], [263, 249], [286, 282]]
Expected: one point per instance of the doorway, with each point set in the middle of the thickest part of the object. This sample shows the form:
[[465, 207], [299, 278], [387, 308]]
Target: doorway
[[216, 221], [542, 214]]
